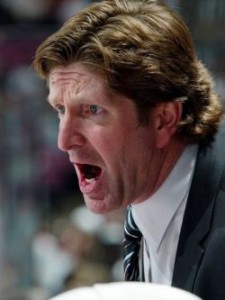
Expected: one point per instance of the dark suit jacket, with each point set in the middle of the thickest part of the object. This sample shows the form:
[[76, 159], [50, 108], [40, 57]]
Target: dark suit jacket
[[200, 260]]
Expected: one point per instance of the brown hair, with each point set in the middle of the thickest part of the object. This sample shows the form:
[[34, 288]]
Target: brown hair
[[145, 51]]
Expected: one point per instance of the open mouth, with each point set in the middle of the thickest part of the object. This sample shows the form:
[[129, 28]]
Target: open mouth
[[89, 172]]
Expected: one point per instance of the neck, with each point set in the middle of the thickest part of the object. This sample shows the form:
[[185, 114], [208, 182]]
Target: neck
[[167, 159]]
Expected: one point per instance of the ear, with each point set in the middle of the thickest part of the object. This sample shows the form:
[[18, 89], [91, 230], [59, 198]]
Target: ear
[[166, 118]]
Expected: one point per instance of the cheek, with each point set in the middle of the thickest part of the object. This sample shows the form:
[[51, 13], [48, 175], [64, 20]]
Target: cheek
[[105, 142], [111, 151], [116, 145]]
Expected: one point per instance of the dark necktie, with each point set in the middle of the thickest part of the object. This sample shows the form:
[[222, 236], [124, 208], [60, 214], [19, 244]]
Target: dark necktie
[[131, 244]]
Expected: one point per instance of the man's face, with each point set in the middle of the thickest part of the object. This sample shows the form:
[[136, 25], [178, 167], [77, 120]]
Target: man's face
[[113, 156]]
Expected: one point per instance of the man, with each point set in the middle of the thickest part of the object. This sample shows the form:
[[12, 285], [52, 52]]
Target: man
[[143, 128]]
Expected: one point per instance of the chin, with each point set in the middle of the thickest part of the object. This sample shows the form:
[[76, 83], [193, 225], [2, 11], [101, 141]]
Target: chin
[[98, 206]]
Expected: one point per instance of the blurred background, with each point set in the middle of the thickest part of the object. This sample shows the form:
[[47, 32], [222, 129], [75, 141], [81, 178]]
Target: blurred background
[[49, 242]]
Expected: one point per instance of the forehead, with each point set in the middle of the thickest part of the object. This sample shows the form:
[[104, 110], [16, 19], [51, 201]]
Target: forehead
[[76, 73], [76, 78]]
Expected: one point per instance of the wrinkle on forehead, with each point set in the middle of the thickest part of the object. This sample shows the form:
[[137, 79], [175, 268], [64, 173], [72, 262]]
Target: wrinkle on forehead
[[58, 76], [62, 77], [77, 71]]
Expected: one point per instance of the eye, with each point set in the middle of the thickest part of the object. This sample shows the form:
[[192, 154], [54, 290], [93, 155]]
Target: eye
[[60, 109], [95, 109]]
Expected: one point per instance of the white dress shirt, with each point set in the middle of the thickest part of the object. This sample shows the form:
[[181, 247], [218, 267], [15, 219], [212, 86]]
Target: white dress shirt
[[160, 218]]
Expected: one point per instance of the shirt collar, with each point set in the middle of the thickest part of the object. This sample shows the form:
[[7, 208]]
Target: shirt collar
[[154, 215]]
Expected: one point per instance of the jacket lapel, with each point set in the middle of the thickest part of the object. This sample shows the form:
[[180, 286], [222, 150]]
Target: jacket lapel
[[199, 211]]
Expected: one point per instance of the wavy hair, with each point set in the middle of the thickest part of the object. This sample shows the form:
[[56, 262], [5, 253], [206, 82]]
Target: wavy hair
[[145, 51]]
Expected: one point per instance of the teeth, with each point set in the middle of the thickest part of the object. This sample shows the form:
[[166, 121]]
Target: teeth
[[89, 180]]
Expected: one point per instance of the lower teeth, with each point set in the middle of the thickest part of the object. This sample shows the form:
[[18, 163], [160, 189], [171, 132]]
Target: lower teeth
[[90, 179]]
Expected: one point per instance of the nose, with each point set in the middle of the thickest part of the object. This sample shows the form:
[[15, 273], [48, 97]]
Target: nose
[[69, 134]]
